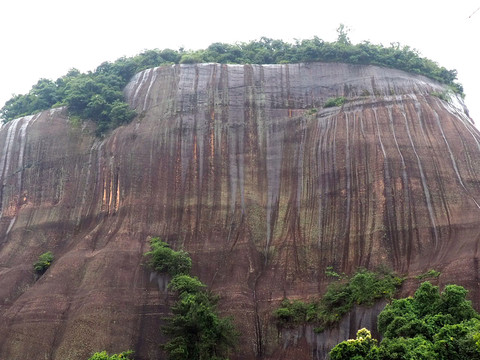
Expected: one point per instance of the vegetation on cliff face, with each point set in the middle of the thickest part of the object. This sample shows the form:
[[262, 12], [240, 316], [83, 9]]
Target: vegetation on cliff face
[[196, 331], [163, 259], [97, 95], [126, 355], [429, 325], [363, 288], [43, 263]]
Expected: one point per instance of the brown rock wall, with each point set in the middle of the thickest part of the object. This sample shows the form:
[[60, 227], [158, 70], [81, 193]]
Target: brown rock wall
[[241, 166]]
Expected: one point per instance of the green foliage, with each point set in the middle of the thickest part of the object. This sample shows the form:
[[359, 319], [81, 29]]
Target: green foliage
[[126, 355], [429, 325], [329, 271], [97, 95], [186, 284], [360, 348], [405, 348], [163, 259], [332, 102], [195, 329], [43, 263], [295, 312], [445, 95], [432, 273], [363, 288]]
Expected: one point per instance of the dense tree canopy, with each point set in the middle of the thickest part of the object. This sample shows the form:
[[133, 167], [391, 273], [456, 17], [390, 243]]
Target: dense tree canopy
[[97, 95], [429, 325]]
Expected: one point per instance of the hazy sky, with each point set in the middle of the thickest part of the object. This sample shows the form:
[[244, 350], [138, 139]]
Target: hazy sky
[[44, 39]]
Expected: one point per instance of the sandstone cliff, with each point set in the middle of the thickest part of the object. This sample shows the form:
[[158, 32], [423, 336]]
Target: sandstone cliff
[[241, 166]]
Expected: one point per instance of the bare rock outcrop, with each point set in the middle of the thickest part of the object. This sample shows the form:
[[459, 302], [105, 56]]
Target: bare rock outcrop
[[243, 167]]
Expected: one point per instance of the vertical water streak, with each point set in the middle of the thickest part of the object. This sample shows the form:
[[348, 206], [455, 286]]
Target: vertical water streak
[[326, 169], [452, 158], [233, 167], [389, 197], [152, 81], [7, 152], [7, 149], [406, 188], [93, 149], [142, 81], [131, 87], [379, 136], [473, 132], [319, 158], [300, 160], [348, 185], [22, 134], [274, 142], [423, 179], [241, 170], [455, 107], [236, 165], [10, 225]]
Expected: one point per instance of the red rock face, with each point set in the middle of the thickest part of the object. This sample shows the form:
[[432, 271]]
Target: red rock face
[[242, 167]]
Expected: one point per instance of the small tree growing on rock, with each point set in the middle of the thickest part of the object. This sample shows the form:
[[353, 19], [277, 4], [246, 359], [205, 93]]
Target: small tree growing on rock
[[43, 263], [196, 331]]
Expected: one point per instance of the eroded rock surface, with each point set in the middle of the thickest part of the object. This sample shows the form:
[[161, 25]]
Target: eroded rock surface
[[241, 166]]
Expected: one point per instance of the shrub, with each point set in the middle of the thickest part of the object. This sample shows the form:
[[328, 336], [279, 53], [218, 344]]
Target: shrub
[[43, 263], [163, 259], [126, 355], [429, 274], [332, 102], [295, 312], [442, 95], [363, 288]]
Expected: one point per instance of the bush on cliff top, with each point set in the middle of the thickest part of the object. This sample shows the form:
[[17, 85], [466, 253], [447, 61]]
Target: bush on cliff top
[[97, 95]]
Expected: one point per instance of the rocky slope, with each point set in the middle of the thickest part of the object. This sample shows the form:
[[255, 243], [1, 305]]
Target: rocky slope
[[241, 166]]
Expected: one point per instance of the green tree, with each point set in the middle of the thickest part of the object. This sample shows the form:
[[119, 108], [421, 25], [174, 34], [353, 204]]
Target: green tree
[[342, 35], [163, 259], [458, 341], [195, 329], [43, 263], [429, 325], [363, 347]]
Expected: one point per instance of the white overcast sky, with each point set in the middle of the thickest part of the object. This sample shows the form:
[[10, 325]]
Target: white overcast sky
[[46, 38]]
